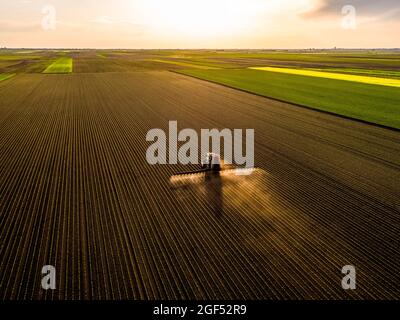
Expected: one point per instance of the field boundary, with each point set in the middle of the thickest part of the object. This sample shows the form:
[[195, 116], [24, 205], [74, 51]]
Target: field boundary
[[7, 76], [292, 103], [185, 64]]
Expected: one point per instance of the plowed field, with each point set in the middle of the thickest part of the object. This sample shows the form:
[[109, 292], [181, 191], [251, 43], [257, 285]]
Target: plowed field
[[76, 192]]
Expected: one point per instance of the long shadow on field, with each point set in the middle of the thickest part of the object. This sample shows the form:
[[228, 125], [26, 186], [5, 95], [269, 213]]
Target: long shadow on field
[[208, 185]]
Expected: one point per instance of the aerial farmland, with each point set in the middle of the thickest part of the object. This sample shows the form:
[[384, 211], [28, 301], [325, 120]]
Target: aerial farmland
[[77, 193]]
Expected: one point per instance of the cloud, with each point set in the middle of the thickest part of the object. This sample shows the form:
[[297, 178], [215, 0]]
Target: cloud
[[104, 20], [363, 7]]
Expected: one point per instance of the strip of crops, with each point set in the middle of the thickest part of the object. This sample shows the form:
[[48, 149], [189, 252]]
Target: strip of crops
[[61, 65], [335, 76]]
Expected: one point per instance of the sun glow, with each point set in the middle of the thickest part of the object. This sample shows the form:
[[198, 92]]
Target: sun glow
[[206, 17]]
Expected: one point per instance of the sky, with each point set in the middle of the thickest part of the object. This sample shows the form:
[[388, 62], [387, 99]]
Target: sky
[[253, 24]]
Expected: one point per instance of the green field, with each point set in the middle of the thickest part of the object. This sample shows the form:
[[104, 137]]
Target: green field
[[5, 76], [371, 103], [331, 58], [61, 65]]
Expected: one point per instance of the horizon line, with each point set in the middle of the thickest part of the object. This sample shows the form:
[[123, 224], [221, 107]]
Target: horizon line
[[220, 49]]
